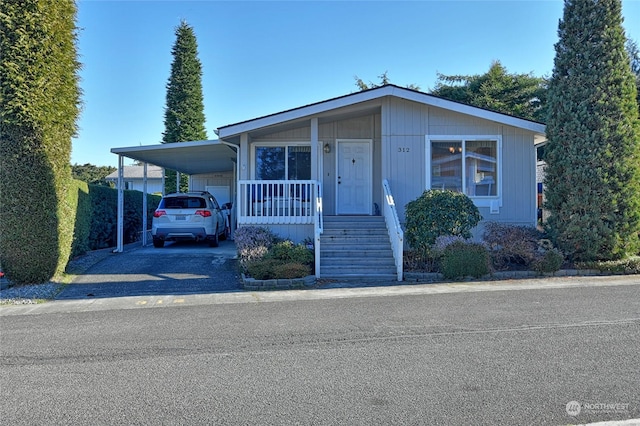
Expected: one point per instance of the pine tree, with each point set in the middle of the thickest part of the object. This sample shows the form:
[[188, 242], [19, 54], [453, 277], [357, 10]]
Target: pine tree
[[184, 111], [593, 152], [39, 106], [521, 95]]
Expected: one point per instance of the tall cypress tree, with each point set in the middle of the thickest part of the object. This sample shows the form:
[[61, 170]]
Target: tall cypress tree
[[39, 106], [184, 111], [593, 151]]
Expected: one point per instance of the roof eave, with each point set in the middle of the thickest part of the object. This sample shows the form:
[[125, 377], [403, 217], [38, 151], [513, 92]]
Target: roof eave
[[233, 130]]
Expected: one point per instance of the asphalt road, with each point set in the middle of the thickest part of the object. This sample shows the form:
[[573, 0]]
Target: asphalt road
[[443, 354]]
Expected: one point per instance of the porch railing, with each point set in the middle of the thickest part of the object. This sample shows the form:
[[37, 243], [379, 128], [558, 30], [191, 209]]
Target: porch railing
[[264, 202], [396, 235], [277, 201]]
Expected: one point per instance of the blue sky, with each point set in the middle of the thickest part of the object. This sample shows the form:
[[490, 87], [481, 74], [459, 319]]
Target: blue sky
[[263, 57]]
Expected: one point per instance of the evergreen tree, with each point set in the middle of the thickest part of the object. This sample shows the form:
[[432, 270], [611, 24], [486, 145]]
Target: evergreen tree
[[593, 152], [94, 175], [39, 106], [521, 95], [184, 111]]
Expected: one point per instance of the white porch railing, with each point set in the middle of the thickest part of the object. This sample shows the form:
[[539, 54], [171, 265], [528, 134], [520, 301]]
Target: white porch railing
[[396, 235], [277, 201], [282, 202]]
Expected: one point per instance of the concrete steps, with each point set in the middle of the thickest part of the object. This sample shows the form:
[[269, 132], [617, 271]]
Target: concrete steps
[[354, 247]]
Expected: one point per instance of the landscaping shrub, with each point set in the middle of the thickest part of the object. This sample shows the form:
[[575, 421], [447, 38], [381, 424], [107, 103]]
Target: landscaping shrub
[[82, 227], [415, 261], [548, 260], [104, 218], [629, 265], [261, 269], [511, 245], [291, 270], [287, 251], [263, 258], [461, 259], [436, 213], [252, 243]]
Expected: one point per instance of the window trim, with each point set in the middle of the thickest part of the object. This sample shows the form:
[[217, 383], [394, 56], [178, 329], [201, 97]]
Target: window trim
[[274, 144], [478, 200]]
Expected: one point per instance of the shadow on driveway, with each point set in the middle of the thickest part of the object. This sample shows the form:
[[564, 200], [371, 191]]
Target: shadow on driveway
[[179, 268]]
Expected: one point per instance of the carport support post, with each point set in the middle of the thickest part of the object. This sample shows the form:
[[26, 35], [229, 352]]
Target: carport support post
[[144, 204], [119, 247]]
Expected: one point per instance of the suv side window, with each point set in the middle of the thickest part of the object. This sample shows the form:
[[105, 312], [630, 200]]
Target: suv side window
[[214, 202]]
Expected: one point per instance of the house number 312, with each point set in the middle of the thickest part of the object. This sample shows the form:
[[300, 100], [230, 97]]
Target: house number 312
[[403, 149]]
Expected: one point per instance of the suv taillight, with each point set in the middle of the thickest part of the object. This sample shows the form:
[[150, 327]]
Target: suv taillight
[[159, 213], [203, 213]]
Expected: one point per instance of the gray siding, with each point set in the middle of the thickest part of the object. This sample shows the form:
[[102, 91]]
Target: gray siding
[[408, 123]]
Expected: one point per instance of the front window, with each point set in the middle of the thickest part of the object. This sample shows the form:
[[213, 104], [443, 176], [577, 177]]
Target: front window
[[290, 162], [465, 165]]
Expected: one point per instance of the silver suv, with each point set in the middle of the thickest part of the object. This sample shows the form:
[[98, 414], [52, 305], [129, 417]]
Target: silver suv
[[188, 216]]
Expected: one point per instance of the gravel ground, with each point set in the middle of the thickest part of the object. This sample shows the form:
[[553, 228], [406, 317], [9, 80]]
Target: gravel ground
[[30, 294]]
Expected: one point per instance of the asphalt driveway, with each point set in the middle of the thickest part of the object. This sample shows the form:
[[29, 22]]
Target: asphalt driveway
[[179, 268]]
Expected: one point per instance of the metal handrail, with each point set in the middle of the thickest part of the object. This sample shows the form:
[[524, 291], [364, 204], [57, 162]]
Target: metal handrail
[[396, 235]]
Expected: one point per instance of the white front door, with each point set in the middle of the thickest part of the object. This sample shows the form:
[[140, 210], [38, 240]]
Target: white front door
[[353, 195]]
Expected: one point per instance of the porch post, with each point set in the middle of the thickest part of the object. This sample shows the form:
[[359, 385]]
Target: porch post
[[163, 177], [243, 156], [120, 221], [314, 149], [144, 204]]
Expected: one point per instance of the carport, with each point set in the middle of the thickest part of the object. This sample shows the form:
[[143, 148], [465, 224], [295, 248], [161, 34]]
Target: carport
[[191, 158]]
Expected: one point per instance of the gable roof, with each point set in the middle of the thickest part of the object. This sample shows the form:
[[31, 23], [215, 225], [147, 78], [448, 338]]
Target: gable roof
[[137, 172], [372, 94]]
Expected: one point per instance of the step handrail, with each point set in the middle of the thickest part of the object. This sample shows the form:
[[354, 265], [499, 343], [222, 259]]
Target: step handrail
[[396, 235]]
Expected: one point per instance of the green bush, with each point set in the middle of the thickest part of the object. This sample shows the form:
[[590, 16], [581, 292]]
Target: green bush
[[550, 261], [287, 251], [82, 227], [282, 259], [511, 245], [461, 259], [630, 265], [40, 104], [267, 269], [291, 270], [104, 218], [436, 213]]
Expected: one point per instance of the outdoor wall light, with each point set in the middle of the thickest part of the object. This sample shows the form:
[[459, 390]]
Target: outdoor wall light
[[327, 148]]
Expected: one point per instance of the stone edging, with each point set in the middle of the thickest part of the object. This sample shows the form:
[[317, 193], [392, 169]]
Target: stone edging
[[278, 284]]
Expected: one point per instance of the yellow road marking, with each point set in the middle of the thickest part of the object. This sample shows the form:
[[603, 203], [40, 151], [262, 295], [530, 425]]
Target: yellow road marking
[[178, 301], [141, 302]]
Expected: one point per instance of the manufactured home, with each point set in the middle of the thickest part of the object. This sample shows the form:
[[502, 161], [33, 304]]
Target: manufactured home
[[340, 172]]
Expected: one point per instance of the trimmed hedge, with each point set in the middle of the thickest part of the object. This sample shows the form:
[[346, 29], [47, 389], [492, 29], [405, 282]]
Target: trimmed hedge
[[104, 217], [461, 259], [79, 197], [40, 104]]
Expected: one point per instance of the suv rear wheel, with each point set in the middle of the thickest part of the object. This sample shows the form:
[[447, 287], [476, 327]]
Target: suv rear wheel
[[213, 242], [158, 243]]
